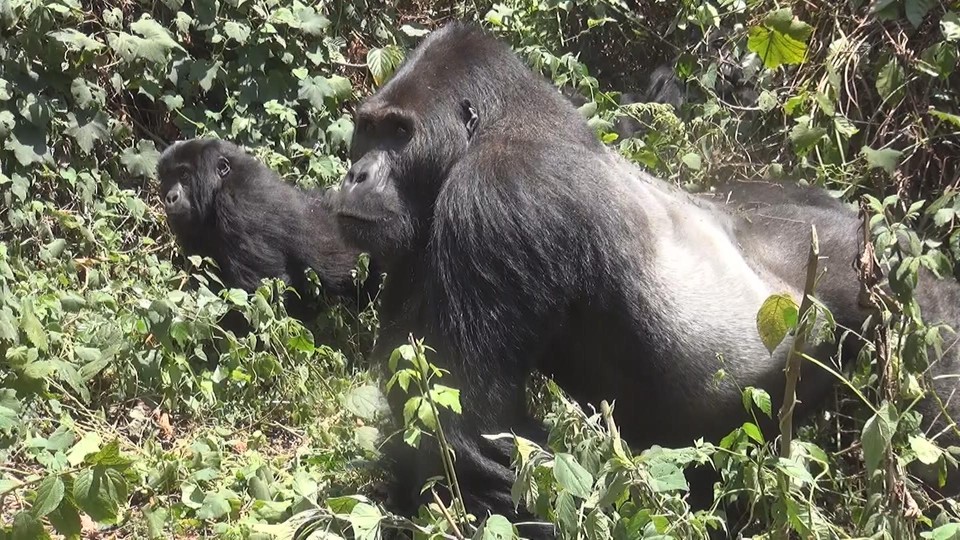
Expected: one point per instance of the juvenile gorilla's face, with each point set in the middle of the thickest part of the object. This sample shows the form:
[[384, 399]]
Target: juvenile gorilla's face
[[191, 173]]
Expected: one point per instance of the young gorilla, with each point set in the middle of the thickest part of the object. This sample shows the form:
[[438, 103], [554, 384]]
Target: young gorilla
[[224, 204], [515, 241]]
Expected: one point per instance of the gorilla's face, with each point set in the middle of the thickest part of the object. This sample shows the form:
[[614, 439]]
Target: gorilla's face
[[191, 175], [402, 150]]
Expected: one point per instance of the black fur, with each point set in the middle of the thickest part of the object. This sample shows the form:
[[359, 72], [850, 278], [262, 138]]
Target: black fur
[[253, 224], [527, 245]]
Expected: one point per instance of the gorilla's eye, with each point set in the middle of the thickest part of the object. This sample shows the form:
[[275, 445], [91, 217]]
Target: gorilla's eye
[[223, 167]]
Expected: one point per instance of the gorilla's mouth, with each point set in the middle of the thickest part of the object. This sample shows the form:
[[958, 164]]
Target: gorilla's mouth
[[355, 217]]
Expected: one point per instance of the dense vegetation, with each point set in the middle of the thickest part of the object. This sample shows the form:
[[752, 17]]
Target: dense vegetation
[[125, 408]]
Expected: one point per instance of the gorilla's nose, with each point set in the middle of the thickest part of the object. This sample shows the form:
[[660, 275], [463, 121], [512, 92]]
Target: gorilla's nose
[[173, 197], [356, 175]]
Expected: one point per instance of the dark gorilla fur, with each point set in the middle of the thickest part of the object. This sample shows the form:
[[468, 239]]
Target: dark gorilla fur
[[515, 241], [224, 204]]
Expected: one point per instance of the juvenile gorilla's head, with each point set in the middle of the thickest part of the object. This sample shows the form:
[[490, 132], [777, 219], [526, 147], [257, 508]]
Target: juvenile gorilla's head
[[191, 175]]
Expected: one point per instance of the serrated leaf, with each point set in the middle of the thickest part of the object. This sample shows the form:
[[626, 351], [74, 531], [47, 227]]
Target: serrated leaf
[[48, 496], [753, 432], [496, 527], [311, 22], [795, 470], [87, 131], [780, 39], [236, 31], [154, 33], [776, 317], [572, 476], [886, 158], [32, 327], [446, 397], [76, 40], [877, 434], [383, 62], [28, 144], [142, 160], [317, 89], [366, 437], [66, 519], [27, 527], [99, 491], [365, 521], [367, 402]]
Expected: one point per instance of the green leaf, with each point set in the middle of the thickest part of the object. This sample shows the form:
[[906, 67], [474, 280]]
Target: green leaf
[[366, 437], [692, 161], [89, 444], [946, 117], [877, 434], [48, 496], [917, 9], [950, 26], [66, 519], [214, 506], [666, 477], [776, 317], [367, 402], [383, 62], [781, 39], [317, 89], [887, 158], [27, 527], [76, 40], [32, 328], [142, 160], [365, 521], [572, 476], [890, 81], [753, 432], [927, 452], [28, 144], [311, 22], [795, 470], [496, 527], [236, 31], [340, 133], [446, 397], [760, 398], [99, 491], [950, 531], [155, 34], [87, 131], [9, 410], [767, 101]]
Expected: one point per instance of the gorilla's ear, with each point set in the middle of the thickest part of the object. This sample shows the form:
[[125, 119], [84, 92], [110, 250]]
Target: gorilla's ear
[[223, 166], [469, 116]]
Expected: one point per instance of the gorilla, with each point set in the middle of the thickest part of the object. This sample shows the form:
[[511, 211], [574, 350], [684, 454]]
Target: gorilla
[[224, 204], [515, 241]]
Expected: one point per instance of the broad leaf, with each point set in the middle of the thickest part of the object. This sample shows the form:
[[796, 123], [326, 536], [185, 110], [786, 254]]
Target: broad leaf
[[780, 39], [87, 131], [48, 496], [142, 160], [877, 434], [776, 317], [886, 158], [572, 476], [382, 62]]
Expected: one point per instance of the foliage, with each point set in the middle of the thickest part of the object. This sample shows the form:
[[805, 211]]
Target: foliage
[[128, 402]]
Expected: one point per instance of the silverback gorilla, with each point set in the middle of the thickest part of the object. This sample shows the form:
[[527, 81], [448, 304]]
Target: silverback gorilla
[[515, 241], [224, 204]]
